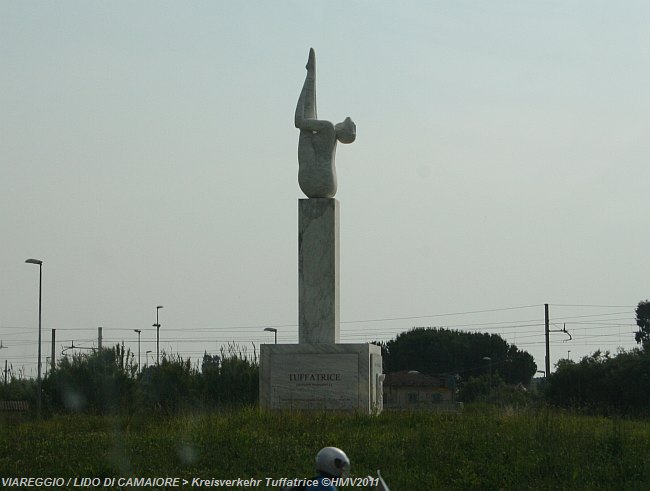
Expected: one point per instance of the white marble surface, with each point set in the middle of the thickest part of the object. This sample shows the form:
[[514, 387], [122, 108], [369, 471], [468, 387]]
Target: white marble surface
[[318, 271], [320, 376], [317, 141], [377, 378]]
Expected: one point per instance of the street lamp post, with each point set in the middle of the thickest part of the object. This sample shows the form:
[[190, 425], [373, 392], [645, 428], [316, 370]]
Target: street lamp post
[[2, 347], [40, 289], [157, 326], [274, 331], [147, 356], [138, 331]]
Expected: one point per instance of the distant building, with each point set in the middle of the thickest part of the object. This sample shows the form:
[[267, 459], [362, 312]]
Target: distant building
[[415, 390], [13, 411]]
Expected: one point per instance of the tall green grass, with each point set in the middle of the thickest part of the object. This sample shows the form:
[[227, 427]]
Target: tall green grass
[[481, 448]]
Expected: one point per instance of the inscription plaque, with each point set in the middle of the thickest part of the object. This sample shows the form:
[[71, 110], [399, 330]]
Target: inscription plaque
[[315, 381]]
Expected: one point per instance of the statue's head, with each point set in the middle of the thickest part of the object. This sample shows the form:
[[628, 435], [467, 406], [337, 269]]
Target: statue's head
[[346, 132]]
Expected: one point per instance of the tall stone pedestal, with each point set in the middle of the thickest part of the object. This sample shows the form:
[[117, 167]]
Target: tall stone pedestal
[[319, 373], [321, 377], [318, 271]]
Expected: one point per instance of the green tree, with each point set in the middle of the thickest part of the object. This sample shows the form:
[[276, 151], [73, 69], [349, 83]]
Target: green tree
[[642, 336], [519, 366], [438, 351], [477, 388]]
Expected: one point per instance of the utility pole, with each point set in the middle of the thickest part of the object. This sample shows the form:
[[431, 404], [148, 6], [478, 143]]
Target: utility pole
[[40, 291], [99, 338], [53, 360], [157, 326], [548, 348], [1, 347], [139, 366]]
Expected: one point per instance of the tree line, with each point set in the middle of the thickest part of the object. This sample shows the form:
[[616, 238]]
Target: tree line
[[602, 383], [606, 383], [481, 366], [108, 381]]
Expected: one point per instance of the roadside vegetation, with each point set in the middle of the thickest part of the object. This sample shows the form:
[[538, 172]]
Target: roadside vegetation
[[481, 448], [108, 381], [586, 427]]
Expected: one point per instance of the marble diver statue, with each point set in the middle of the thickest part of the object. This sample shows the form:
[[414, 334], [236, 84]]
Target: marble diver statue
[[317, 142]]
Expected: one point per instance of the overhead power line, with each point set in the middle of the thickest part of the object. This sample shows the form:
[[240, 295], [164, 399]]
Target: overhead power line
[[361, 321], [438, 315], [594, 306]]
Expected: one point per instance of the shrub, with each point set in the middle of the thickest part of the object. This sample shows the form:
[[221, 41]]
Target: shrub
[[99, 382]]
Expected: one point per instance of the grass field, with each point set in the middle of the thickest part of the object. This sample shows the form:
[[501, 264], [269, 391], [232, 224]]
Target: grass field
[[482, 448]]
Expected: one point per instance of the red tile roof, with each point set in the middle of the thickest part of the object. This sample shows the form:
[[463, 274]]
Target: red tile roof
[[412, 378]]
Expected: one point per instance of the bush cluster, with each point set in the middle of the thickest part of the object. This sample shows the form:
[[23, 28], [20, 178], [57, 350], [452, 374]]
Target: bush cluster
[[602, 383], [108, 381]]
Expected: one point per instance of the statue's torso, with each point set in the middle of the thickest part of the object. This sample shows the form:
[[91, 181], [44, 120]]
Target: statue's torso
[[317, 173]]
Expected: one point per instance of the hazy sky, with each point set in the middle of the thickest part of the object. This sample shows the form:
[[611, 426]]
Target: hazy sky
[[148, 156]]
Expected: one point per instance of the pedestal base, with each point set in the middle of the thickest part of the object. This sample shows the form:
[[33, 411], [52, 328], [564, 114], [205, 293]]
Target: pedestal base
[[321, 377]]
